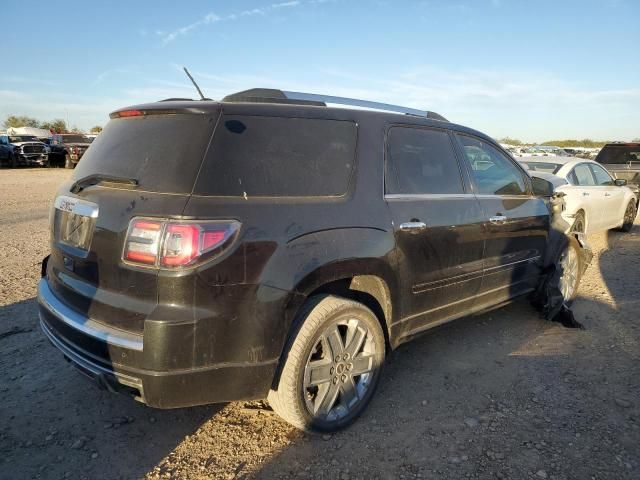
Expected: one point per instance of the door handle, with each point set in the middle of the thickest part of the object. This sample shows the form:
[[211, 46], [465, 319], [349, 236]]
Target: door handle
[[413, 227], [585, 194], [498, 219], [607, 194]]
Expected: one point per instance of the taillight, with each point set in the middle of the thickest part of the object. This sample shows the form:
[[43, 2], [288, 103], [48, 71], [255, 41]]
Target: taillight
[[171, 244]]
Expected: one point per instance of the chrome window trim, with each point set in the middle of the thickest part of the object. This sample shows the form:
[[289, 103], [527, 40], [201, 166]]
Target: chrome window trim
[[426, 196]]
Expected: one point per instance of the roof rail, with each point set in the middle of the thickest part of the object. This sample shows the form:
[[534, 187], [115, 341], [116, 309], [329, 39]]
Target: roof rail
[[268, 95]]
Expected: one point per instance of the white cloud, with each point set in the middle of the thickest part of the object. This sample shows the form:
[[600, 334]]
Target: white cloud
[[213, 18]]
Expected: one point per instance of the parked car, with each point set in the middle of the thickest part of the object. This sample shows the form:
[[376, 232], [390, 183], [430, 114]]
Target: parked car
[[622, 160], [68, 148], [25, 150], [594, 201], [270, 246]]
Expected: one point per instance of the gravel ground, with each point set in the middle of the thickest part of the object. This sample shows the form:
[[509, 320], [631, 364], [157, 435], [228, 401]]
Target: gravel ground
[[500, 395]]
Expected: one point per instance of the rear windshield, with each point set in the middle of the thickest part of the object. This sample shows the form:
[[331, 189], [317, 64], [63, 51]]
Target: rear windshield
[[74, 139], [279, 157], [613, 154], [162, 152], [543, 166]]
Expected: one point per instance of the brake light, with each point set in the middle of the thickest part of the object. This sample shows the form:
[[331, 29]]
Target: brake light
[[130, 113], [171, 244]]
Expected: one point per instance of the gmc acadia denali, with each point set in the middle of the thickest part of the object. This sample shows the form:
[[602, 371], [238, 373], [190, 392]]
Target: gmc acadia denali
[[270, 246]]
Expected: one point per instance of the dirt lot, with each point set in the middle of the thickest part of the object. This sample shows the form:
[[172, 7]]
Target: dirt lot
[[501, 395]]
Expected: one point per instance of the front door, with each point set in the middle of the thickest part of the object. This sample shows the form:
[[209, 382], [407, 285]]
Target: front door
[[515, 222], [437, 223], [612, 198]]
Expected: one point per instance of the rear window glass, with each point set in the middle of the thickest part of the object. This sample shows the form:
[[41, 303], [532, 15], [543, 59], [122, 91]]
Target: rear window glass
[[617, 154], [421, 161], [279, 157], [543, 167], [162, 152]]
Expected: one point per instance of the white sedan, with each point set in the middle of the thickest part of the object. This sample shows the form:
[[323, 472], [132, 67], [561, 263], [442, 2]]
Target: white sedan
[[594, 201]]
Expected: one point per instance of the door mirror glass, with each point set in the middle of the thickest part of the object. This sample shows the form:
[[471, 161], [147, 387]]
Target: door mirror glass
[[621, 182], [541, 187]]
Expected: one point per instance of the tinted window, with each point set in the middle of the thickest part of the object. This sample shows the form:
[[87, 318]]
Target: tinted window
[[616, 154], [493, 172], [543, 167], [583, 175], [421, 161], [162, 152], [602, 177], [279, 157]]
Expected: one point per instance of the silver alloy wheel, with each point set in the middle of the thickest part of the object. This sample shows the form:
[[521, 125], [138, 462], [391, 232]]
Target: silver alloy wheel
[[629, 214], [339, 370], [569, 278]]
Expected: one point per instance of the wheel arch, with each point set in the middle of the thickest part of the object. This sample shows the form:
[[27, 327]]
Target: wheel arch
[[368, 281]]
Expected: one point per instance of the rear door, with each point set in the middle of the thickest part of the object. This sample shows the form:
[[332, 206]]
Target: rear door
[[163, 153], [437, 224], [592, 197], [515, 223]]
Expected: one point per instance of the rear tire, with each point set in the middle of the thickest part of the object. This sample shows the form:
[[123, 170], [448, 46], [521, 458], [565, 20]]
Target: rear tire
[[332, 366], [629, 217], [67, 162]]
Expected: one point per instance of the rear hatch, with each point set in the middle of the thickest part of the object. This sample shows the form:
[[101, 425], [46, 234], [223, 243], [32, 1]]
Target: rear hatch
[[622, 160], [144, 164]]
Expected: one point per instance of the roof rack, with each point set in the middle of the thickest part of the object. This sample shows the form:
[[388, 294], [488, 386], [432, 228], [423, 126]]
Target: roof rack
[[269, 95]]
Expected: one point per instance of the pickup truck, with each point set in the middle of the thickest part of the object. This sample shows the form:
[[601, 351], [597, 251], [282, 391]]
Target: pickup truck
[[27, 150], [67, 148], [622, 160]]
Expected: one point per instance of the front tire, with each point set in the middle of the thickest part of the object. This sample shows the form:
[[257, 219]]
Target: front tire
[[570, 264], [332, 367], [629, 217], [67, 162]]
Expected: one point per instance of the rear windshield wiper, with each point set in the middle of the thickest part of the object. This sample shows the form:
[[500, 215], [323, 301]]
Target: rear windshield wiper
[[98, 178]]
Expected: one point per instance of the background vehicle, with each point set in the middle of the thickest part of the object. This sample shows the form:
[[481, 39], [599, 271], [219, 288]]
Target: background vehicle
[[68, 148], [594, 201], [287, 244], [622, 160], [22, 150]]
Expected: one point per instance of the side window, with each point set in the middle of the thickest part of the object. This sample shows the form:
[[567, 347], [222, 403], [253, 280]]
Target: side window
[[602, 177], [3, 140], [493, 173], [573, 180], [583, 175], [421, 161]]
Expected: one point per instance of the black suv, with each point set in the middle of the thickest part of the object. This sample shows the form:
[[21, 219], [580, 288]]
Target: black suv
[[270, 246]]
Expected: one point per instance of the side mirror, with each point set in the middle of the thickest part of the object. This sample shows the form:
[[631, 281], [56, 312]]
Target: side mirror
[[542, 187], [621, 182]]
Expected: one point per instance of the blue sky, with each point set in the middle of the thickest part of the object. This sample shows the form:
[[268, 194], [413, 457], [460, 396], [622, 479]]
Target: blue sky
[[531, 70]]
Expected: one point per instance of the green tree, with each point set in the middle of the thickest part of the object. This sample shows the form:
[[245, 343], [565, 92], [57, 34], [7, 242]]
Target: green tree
[[510, 141], [16, 121], [96, 129], [57, 125]]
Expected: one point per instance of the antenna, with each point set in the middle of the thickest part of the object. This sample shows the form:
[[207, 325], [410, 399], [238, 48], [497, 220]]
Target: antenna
[[202, 97]]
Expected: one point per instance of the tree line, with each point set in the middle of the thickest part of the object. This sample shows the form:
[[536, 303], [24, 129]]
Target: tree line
[[586, 143], [56, 125]]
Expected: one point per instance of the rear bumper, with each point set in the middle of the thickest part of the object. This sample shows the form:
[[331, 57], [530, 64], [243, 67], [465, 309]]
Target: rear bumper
[[122, 362]]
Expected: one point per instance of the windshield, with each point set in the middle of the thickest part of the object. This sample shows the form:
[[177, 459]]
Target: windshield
[[22, 138], [616, 154], [543, 166], [74, 139]]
